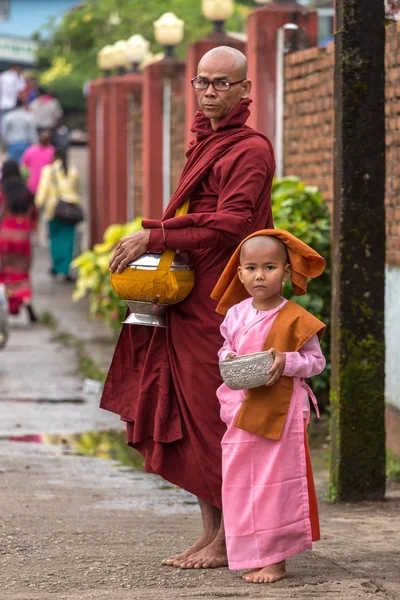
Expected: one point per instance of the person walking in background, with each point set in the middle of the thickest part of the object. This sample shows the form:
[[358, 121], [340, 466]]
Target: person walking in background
[[59, 181], [18, 221], [47, 112], [31, 91], [12, 83], [18, 131], [36, 157]]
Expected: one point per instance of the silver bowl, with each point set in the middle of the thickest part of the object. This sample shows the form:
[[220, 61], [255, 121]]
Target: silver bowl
[[145, 311], [246, 371]]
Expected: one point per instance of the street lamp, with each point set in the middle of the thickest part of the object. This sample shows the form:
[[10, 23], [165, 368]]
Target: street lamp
[[217, 11], [137, 49], [168, 31], [105, 60], [119, 56]]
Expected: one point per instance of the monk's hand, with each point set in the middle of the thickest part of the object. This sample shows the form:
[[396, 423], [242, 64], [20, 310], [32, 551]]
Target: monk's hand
[[278, 366], [129, 248]]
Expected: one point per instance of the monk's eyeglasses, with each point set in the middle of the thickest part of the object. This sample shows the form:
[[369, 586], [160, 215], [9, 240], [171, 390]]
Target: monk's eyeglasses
[[220, 85]]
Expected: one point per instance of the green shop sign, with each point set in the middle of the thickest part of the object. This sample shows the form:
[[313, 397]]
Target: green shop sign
[[17, 50]]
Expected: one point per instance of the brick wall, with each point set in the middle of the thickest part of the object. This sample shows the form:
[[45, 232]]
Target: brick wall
[[392, 57], [308, 127]]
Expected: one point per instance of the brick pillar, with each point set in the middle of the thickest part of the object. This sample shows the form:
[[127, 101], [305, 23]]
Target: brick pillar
[[195, 51], [92, 103], [121, 198], [98, 127], [163, 132], [262, 27], [112, 195]]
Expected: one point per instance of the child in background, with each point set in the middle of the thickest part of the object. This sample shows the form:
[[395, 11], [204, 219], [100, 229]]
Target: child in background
[[17, 224], [268, 495]]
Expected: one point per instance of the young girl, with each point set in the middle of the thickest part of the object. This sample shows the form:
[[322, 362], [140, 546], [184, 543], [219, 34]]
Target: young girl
[[17, 223], [268, 495]]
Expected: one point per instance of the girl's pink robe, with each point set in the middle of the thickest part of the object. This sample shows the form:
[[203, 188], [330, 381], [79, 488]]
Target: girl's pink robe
[[264, 491]]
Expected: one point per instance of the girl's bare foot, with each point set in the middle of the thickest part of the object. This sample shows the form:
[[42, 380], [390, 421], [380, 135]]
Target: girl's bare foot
[[268, 574], [249, 573]]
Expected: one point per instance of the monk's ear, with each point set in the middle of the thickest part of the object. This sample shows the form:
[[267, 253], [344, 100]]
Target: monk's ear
[[246, 88], [287, 273], [239, 272]]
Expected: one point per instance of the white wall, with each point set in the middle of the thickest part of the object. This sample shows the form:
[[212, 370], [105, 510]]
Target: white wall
[[392, 335]]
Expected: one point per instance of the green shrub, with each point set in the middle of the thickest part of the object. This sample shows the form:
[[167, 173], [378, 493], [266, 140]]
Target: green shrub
[[300, 209], [392, 466], [94, 276], [69, 91]]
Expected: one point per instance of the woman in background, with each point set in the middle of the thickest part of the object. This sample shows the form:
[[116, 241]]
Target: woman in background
[[59, 180], [36, 157], [17, 224]]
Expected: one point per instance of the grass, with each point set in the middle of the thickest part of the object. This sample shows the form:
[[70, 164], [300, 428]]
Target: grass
[[87, 366]]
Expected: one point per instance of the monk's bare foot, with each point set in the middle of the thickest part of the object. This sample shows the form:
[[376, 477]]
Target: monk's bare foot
[[212, 556], [177, 559], [268, 574]]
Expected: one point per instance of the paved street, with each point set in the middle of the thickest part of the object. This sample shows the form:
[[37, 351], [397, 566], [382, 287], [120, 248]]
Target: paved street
[[76, 527]]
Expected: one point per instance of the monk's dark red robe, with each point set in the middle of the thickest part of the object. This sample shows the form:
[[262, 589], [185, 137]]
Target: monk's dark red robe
[[163, 382]]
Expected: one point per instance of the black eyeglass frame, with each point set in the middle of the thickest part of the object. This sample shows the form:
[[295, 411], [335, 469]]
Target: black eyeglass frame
[[192, 81]]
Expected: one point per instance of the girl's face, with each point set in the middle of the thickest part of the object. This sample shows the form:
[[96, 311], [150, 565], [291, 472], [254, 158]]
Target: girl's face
[[263, 267]]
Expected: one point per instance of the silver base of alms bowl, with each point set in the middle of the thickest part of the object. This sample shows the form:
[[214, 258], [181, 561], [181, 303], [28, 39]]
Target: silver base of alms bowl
[[146, 313], [246, 371]]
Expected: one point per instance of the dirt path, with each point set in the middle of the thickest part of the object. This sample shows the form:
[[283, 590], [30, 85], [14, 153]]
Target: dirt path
[[78, 528]]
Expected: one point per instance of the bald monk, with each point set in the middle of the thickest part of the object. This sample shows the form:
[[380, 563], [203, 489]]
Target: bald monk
[[163, 382]]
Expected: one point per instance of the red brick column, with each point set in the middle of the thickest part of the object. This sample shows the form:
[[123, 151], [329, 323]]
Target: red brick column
[[108, 123], [123, 89], [98, 112], [262, 27], [163, 115], [195, 52]]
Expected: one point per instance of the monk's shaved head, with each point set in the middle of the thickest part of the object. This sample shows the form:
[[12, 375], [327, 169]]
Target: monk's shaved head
[[221, 83], [228, 58], [270, 247]]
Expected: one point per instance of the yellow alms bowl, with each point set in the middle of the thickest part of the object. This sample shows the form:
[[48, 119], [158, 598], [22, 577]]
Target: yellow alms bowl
[[144, 281]]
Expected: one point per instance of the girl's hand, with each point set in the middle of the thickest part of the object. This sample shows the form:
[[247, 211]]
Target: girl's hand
[[278, 366], [230, 355]]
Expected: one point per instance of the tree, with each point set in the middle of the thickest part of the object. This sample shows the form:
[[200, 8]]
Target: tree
[[91, 25], [358, 258]]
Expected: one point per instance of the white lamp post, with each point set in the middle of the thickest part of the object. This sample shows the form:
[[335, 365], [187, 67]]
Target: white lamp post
[[137, 49], [105, 60], [218, 11], [168, 31], [119, 56], [279, 100]]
